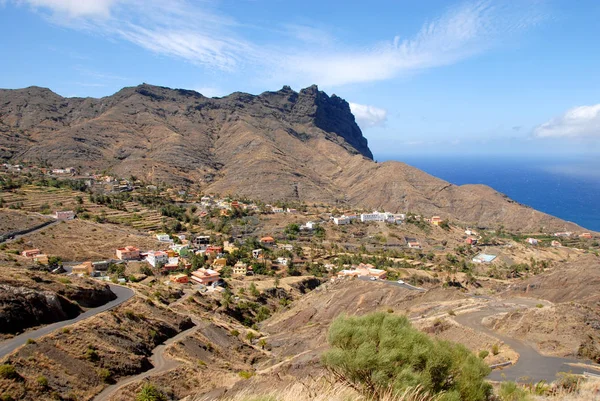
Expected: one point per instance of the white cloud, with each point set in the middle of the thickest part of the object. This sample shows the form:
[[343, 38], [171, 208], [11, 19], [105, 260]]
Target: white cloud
[[76, 8], [578, 122], [368, 116], [195, 32], [460, 33]]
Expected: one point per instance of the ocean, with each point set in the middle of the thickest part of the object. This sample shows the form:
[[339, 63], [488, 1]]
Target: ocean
[[566, 187]]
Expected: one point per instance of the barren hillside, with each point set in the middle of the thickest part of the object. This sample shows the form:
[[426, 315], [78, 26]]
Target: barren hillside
[[282, 145]]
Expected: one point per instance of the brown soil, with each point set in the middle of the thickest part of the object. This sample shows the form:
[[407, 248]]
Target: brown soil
[[79, 240], [74, 359]]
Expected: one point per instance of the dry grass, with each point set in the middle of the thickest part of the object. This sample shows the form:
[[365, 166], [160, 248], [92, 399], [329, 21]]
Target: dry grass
[[324, 391], [589, 390], [79, 240]]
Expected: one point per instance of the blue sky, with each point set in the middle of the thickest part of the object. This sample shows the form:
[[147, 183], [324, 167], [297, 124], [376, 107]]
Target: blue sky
[[423, 77]]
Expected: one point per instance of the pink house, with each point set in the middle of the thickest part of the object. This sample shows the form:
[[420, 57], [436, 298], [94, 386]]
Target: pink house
[[30, 253], [128, 253], [205, 276]]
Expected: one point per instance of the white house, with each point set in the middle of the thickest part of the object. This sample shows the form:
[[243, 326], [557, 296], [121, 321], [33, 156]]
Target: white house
[[341, 220], [156, 258], [375, 216], [282, 261], [287, 247], [277, 210], [532, 241], [64, 215], [163, 238], [256, 253], [309, 226]]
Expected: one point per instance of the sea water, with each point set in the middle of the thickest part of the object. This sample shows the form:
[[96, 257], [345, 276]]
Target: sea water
[[566, 187]]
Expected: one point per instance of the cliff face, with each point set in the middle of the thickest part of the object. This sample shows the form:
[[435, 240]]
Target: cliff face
[[29, 299], [288, 145]]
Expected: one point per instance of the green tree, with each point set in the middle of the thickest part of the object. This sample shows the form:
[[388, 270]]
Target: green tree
[[253, 290], [382, 352]]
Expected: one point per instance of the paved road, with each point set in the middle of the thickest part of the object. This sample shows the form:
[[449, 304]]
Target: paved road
[[531, 366], [8, 346], [159, 362], [393, 283], [29, 232]]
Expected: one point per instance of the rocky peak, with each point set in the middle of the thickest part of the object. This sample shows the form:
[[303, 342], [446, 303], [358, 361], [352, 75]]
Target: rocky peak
[[332, 114]]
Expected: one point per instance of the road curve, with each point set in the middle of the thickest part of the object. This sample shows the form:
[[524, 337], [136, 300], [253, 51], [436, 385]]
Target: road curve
[[531, 366], [159, 363], [123, 294]]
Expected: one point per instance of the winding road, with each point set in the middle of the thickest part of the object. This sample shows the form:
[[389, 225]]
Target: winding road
[[159, 362], [123, 294], [531, 366]]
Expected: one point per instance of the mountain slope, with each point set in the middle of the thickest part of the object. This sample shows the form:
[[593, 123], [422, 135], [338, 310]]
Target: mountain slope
[[277, 145]]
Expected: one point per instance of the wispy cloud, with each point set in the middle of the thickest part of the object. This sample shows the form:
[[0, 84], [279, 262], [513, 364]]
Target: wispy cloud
[[198, 33], [368, 116], [77, 8], [578, 122]]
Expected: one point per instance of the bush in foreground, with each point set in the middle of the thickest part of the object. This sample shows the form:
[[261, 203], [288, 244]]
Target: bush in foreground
[[381, 353], [150, 393]]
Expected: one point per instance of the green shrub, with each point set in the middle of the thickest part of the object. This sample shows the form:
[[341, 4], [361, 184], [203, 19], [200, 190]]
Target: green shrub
[[91, 355], [235, 333], [150, 393], [539, 305], [483, 354], [250, 336], [245, 374], [42, 381], [30, 341], [8, 371], [105, 375], [6, 397], [510, 391], [495, 349], [380, 352]]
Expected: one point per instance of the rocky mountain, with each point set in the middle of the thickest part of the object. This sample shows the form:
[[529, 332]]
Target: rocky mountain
[[282, 145]]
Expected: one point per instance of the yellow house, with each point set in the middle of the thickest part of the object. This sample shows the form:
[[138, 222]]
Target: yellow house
[[240, 269], [41, 259], [84, 268], [219, 263], [436, 220]]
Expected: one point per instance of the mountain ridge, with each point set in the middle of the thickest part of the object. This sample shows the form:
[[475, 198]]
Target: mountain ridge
[[280, 145]]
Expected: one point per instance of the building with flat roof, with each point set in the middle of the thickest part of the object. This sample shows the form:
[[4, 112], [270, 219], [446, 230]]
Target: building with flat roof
[[205, 276]]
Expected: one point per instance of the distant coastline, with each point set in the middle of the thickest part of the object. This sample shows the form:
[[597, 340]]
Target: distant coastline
[[568, 188]]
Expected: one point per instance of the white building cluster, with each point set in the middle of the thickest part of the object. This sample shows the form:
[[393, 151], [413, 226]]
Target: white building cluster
[[367, 217]]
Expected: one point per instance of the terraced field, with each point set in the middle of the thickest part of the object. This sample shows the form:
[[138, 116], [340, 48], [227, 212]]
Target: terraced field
[[49, 199]]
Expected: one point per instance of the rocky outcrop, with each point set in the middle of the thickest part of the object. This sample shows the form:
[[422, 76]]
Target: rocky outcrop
[[21, 308], [30, 299]]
